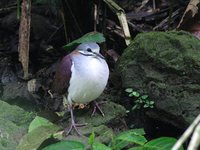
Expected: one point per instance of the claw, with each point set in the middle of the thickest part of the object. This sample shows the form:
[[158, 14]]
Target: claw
[[74, 126], [96, 106]]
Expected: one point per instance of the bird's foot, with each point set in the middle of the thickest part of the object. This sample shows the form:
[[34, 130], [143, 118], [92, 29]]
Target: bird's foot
[[96, 106], [74, 126]]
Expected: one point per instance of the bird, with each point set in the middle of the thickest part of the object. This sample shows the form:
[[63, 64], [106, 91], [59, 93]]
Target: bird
[[81, 77]]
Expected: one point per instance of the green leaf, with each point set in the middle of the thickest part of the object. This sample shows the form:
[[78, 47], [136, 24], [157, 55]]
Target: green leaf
[[137, 148], [140, 101], [146, 106], [133, 136], [66, 145], [37, 122], [136, 94], [151, 102], [163, 143], [134, 107], [89, 37], [91, 139], [130, 95], [137, 101], [129, 90], [58, 135], [144, 97], [119, 144], [139, 131], [133, 139], [100, 146], [34, 139]]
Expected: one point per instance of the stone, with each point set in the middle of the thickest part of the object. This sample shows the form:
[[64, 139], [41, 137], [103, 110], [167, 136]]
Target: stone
[[17, 93], [14, 122], [165, 66], [104, 128]]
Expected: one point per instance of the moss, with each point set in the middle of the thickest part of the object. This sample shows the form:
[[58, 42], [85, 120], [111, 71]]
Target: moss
[[14, 114], [14, 122], [175, 50], [165, 66], [112, 112]]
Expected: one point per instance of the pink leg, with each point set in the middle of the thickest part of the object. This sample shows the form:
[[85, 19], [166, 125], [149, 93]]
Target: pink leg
[[96, 106], [73, 124]]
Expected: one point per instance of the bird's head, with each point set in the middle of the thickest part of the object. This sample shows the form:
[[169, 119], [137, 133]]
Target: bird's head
[[90, 49]]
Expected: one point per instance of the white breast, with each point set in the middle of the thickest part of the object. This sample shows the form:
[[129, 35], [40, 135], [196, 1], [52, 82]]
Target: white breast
[[88, 80]]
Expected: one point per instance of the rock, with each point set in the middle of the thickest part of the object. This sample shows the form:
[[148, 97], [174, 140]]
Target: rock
[[103, 127], [165, 66], [17, 93], [14, 123]]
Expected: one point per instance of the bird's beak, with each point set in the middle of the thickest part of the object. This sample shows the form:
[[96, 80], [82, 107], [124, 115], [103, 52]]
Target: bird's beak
[[98, 55]]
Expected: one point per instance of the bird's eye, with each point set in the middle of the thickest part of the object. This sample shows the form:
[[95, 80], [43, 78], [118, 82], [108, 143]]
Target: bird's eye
[[89, 50]]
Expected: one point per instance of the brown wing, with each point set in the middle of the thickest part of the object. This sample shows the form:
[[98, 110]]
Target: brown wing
[[62, 76]]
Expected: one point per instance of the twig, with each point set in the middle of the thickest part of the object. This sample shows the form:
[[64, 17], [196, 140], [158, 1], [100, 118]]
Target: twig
[[122, 19], [95, 17], [195, 140], [113, 27], [161, 24], [24, 36], [186, 134], [142, 5], [154, 5], [49, 92], [7, 9], [52, 35]]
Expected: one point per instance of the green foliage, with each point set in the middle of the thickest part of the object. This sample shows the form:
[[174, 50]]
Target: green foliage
[[135, 140], [41, 129], [100, 146], [66, 145], [37, 122], [35, 138], [163, 143], [89, 37], [134, 136], [142, 101], [91, 139]]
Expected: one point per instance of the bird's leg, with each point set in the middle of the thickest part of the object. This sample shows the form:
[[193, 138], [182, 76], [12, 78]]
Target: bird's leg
[[96, 106], [73, 124]]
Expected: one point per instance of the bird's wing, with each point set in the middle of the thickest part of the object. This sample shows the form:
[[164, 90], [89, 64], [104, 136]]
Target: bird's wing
[[62, 76]]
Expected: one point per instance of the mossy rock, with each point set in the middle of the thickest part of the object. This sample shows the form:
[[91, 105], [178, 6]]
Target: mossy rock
[[170, 51], [165, 66], [14, 123], [101, 126]]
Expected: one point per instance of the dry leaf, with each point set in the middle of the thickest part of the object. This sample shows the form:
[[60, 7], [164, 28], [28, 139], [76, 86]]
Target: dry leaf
[[122, 19], [190, 12]]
